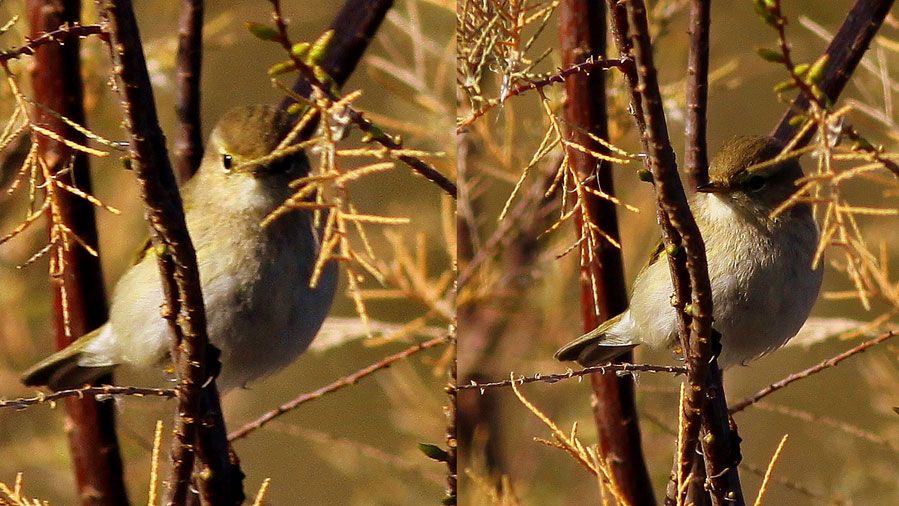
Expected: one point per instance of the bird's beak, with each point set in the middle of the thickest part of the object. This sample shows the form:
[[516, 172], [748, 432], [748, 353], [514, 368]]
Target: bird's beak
[[711, 187]]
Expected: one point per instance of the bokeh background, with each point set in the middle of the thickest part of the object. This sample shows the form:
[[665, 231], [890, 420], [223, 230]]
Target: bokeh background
[[357, 446], [536, 309]]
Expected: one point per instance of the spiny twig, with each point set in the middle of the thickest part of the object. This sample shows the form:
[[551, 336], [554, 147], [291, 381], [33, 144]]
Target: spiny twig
[[93, 391], [184, 307], [338, 384], [556, 377], [826, 364], [559, 77], [55, 37]]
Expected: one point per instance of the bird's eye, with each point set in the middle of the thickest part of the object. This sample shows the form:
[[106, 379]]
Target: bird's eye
[[756, 183], [227, 162]]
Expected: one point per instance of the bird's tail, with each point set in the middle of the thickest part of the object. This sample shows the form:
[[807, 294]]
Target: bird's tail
[[598, 346], [62, 370]]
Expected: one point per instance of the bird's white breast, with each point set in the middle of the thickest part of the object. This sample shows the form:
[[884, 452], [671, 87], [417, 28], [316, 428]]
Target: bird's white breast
[[763, 286]]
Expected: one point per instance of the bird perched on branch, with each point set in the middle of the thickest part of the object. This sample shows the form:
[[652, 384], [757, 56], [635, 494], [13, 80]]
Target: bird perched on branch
[[260, 309], [760, 264]]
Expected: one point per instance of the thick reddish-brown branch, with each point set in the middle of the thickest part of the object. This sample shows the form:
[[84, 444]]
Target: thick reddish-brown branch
[[188, 145], [79, 299], [583, 35], [180, 277]]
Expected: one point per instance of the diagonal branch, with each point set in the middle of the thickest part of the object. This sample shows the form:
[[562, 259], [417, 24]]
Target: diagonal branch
[[844, 52], [689, 270], [178, 268], [343, 382], [352, 51], [831, 362]]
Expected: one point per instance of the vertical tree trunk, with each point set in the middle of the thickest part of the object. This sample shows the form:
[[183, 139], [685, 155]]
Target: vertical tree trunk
[[78, 293], [583, 33]]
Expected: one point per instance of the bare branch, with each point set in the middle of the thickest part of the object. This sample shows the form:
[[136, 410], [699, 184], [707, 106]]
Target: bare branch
[[831, 362], [603, 291], [188, 145], [61, 34], [178, 268], [79, 299], [86, 392], [696, 158], [689, 273], [345, 381], [618, 369]]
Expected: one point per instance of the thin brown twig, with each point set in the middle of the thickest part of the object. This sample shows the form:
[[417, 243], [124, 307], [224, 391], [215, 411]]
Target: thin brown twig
[[696, 159], [345, 381], [53, 37], [188, 145], [559, 77], [177, 260], [452, 473], [616, 368], [826, 364], [359, 119], [85, 392]]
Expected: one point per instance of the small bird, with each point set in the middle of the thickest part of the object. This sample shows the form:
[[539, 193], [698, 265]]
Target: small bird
[[760, 267], [260, 309]]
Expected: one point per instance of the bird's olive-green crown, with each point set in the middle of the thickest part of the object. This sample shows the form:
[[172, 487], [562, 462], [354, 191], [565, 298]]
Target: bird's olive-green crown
[[251, 131], [741, 165]]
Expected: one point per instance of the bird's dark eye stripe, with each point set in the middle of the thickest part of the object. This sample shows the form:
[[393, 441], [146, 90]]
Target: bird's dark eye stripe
[[227, 161], [755, 183]]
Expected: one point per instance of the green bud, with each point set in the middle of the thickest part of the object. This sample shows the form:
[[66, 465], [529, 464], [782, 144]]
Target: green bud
[[816, 72], [644, 175], [801, 69], [783, 86], [449, 500], [433, 452], [862, 144], [797, 120], [281, 68], [300, 49], [320, 47], [770, 55], [673, 250], [262, 31]]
